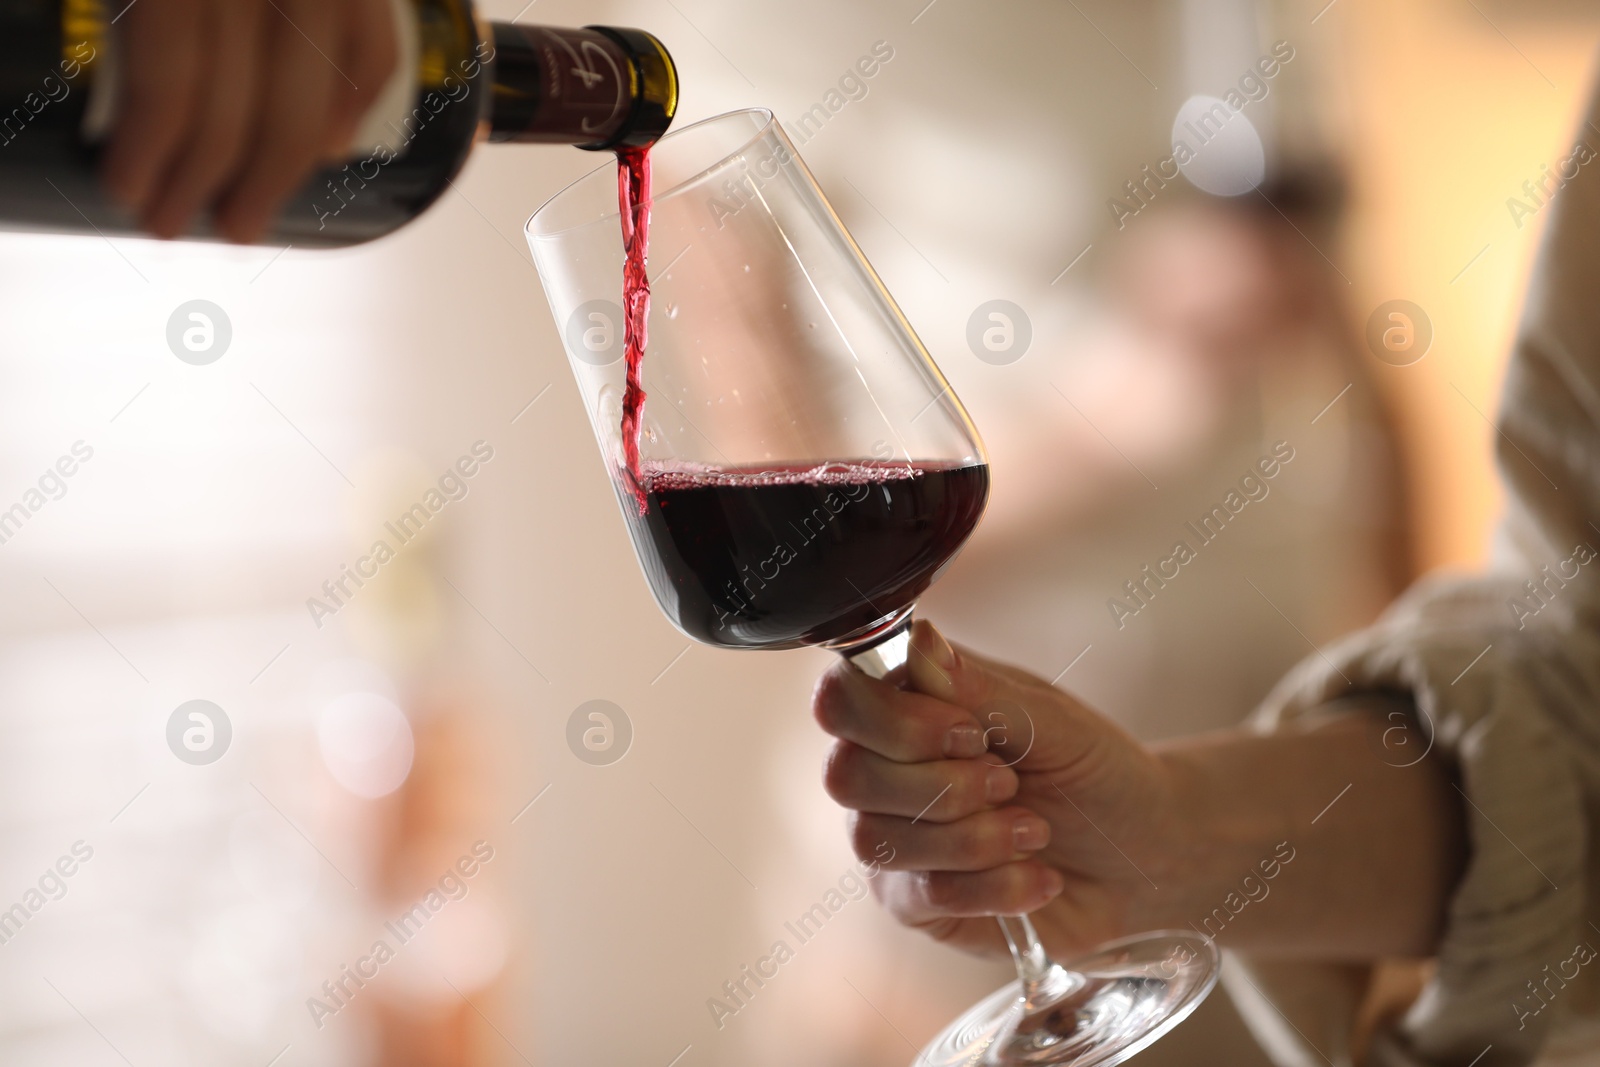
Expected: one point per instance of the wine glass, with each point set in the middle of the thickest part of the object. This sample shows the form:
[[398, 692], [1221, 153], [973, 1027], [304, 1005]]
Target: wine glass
[[804, 474]]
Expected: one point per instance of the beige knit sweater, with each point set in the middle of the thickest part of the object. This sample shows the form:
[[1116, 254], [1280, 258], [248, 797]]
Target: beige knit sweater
[[1518, 978]]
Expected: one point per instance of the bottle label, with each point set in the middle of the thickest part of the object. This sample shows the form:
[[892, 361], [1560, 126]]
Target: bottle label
[[559, 85]]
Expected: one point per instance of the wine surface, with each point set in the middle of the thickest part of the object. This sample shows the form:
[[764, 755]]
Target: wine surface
[[747, 557]]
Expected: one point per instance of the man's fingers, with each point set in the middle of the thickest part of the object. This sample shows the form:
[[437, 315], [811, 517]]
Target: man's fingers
[[976, 843], [941, 791], [221, 133], [298, 86], [900, 725], [246, 96], [162, 64], [368, 53], [923, 897]]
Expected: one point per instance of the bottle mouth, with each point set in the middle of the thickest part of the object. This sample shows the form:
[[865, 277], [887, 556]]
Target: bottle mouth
[[655, 89], [684, 159], [599, 87]]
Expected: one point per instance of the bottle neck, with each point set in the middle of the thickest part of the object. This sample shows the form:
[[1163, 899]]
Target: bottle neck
[[598, 87]]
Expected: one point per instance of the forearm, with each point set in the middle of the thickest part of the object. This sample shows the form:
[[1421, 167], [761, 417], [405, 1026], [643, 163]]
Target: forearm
[[1376, 848]]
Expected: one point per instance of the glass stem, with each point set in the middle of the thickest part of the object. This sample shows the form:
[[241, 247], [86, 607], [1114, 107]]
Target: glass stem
[[885, 651], [1033, 966]]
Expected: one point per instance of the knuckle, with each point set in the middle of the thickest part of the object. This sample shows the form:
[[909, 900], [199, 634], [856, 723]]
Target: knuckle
[[943, 931], [866, 835], [840, 772], [1017, 884], [941, 892], [829, 702], [977, 842], [968, 793]]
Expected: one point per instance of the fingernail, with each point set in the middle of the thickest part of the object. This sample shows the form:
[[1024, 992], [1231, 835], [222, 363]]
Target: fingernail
[[1054, 883], [1030, 833], [964, 741], [999, 785]]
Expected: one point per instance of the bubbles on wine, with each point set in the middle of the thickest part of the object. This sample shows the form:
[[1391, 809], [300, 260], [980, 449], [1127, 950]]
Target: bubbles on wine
[[658, 478]]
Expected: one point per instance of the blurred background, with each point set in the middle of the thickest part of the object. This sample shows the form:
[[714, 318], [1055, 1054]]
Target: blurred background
[[415, 742]]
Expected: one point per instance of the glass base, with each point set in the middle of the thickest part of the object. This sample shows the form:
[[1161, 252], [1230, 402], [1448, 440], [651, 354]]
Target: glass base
[[1096, 1011]]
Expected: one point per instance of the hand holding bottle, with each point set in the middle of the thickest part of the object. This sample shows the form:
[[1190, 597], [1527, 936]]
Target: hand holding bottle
[[316, 123], [230, 104]]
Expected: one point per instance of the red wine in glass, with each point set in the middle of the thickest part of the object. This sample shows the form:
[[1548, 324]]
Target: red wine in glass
[[780, 558]]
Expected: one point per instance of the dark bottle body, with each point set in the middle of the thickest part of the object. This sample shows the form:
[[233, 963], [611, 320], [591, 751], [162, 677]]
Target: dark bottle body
[[597, 88]]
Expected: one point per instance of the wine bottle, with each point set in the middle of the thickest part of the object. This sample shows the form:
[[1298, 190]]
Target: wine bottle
[[460, 81]]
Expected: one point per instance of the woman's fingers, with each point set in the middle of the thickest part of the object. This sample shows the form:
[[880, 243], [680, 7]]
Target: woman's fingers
[[976, 843], [899, 725], [949, 836], [1026, 721], [162, 47], [940, 791], [918, 898], [936, 667], [230, 87], [292, 124]]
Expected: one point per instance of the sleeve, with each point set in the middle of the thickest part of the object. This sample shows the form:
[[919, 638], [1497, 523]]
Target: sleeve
[[1504, 673]]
